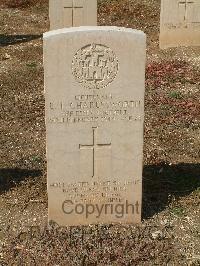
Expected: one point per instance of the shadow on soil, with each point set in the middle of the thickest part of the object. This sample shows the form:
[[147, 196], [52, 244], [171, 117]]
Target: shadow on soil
[[6, 40], [11, 177], [163, 182], [160, 183]]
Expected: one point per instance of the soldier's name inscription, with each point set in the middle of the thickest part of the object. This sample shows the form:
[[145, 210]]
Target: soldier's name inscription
[[90, 108]]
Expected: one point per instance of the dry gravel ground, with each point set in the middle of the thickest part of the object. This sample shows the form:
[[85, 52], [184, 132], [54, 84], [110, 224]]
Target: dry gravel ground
[[170, 231]]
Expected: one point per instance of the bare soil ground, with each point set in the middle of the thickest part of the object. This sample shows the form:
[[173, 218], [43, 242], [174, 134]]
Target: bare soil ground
[[170, 231]]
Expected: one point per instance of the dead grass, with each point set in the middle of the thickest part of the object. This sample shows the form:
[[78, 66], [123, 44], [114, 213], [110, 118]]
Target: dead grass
[[22, 3]]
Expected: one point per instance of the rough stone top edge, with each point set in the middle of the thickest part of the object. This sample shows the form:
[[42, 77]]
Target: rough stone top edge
[[53, 33]]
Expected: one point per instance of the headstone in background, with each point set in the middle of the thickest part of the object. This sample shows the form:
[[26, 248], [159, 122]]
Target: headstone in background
[[180, 23], [94, 92], [72, 13]]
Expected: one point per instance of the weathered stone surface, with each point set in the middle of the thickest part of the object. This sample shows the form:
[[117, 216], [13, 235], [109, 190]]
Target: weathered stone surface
[[180, 23], [72, 13], [94, 91]]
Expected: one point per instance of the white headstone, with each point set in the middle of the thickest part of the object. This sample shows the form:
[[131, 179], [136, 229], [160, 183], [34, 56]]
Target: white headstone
[[180, 23], [94, 92], [72, 13]]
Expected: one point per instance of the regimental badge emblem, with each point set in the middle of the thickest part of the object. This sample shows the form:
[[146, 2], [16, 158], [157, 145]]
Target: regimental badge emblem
[[95, 66]]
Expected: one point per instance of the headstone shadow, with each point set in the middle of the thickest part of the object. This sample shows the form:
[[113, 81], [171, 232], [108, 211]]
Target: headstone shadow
[[11, 177], [162, 183], [6, 40]]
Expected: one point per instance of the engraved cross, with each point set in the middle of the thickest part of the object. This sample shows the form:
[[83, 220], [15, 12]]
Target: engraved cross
[[94, 147], [75, 4], [185, 3]]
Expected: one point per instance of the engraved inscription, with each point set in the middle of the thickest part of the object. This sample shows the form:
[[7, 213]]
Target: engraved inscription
[[95, 66], [194, 25], [95, 108], [96, 191]]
